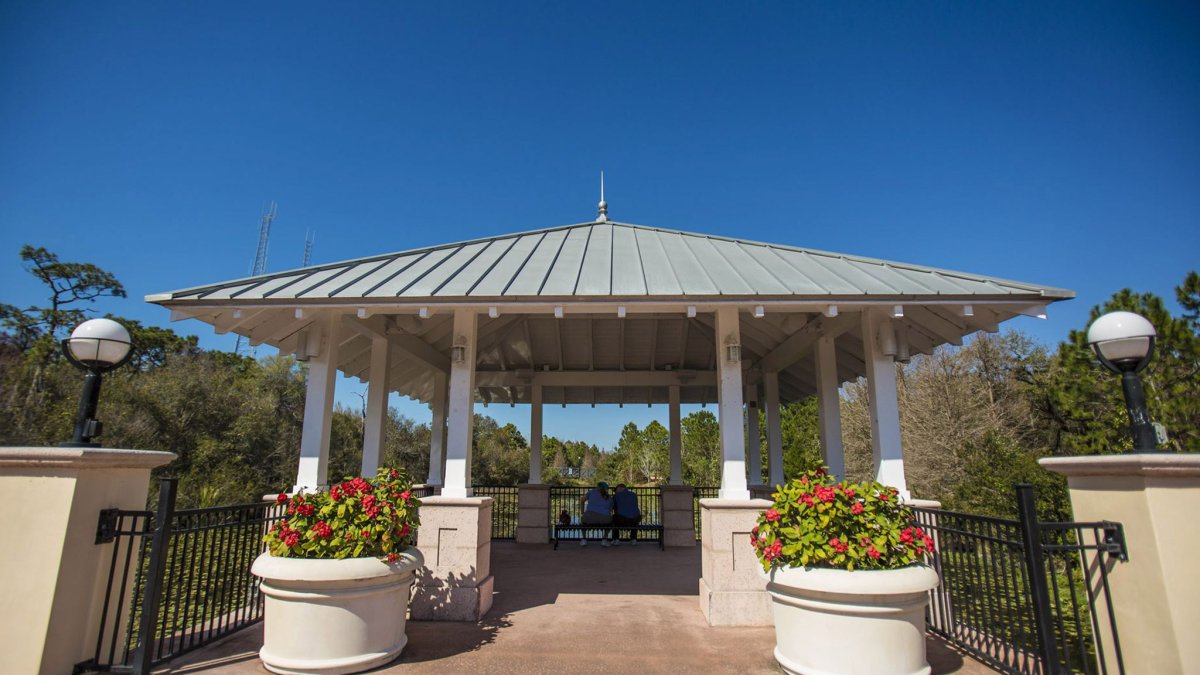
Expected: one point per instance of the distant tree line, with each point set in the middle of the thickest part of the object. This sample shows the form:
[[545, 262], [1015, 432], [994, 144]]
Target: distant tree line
[[975, 418]]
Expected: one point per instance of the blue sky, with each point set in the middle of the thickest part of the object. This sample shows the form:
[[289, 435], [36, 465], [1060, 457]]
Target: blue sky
[[1056, 143]]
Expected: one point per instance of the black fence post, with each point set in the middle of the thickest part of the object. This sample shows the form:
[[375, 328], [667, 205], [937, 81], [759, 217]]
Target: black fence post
[[1035, 563], [143, 655]]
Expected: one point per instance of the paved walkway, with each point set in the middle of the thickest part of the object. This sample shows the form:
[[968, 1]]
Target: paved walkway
[[547, 607]]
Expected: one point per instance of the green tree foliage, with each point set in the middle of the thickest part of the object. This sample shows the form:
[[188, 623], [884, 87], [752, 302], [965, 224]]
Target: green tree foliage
[[68, 285], [701, 457], [1084, 402]]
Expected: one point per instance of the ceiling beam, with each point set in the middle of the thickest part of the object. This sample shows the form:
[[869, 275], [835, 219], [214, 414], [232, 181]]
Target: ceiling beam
[[595, 378], [800, 342]]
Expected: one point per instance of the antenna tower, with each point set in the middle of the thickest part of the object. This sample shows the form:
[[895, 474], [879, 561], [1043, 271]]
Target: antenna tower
[[260, 255], [310, 236]]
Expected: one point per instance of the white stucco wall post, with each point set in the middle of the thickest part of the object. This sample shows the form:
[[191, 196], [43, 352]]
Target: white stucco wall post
[[377, 400], [753, 438], [55, 574], [774, 428], [729, 406], [535, 434], [313, 471], [462, 407], [676, 437], [437, 430], [829, 412], [886, 444]]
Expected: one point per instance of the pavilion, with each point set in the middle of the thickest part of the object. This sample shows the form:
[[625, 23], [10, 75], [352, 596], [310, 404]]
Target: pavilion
[[605, 312]]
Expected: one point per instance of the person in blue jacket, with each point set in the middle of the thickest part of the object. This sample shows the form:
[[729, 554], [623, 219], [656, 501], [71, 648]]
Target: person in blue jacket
[[626, 512], [597, 510]]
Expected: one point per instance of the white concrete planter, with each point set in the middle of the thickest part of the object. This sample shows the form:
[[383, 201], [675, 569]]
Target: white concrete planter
[[866, 621], [334, 616]]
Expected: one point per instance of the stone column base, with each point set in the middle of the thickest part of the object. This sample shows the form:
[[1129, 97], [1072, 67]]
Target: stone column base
[[533, 514], [732, 590], [762, 491], [678, 516], [456, 539]]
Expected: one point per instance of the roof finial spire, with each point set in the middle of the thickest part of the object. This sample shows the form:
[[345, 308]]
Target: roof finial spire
[[603, 217]]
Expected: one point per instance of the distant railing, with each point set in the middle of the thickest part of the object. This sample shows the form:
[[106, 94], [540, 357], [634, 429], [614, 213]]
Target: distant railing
[[1023, 596], [698, 493], [185, 576], [567, 498], [504, 508]]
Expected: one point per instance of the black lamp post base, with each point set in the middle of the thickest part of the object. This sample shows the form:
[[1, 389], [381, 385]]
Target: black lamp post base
[[79, 444]]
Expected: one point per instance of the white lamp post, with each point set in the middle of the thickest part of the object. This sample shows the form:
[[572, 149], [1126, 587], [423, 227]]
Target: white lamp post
[[96, 346], [1124, 343]]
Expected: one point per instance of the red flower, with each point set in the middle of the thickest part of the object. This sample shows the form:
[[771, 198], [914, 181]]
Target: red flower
[[850, 493], [805, 498], [872, 551], [322, 530], [336, 493], [405, 530], [857, 508], [394, 474], [772, 515], [366, 533], [392, 557], [368, 502], [281, 498], [826, 494], [406, 495], [291, 539], [906, 536], [306, 509], [884, 496]]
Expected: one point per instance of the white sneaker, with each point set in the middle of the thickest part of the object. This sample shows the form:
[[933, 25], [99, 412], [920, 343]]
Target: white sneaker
[[582, 543], [604, 543]]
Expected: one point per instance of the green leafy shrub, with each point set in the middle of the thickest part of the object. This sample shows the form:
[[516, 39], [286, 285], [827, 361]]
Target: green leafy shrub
[[358, 518], [819, 522]]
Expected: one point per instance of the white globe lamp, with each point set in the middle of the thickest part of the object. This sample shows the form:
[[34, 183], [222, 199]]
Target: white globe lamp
[[96, 346], [1124, 343]]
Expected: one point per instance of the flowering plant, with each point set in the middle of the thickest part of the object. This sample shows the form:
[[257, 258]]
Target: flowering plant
[[358, 518], [819, 522]]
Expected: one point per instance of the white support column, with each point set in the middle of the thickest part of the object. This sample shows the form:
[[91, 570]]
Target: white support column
[[729, 406], [377, 400], [535, 434], [886, 448], [437, 430], [774, 428], [676, 438], [829, 412], [753, 438], [313, 471], [462, 407]]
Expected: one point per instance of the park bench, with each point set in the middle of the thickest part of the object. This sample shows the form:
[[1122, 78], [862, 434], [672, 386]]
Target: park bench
[[601, 531]]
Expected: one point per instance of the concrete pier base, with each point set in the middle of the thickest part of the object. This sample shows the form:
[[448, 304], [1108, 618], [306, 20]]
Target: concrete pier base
[[533, 514], [456, 539], [732, 590]]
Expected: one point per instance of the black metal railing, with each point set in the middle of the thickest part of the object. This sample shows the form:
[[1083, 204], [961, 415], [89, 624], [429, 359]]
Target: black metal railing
[[698, 493], [184, 577], [567, 498], [1023, 596], [504, 508]]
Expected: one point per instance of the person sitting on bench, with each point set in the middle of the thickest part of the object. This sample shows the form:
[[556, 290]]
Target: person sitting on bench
[[625, 503], [597, 510]]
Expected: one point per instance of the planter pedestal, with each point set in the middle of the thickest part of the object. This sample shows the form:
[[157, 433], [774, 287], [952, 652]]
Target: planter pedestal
[[334, 616], [866, 621]]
